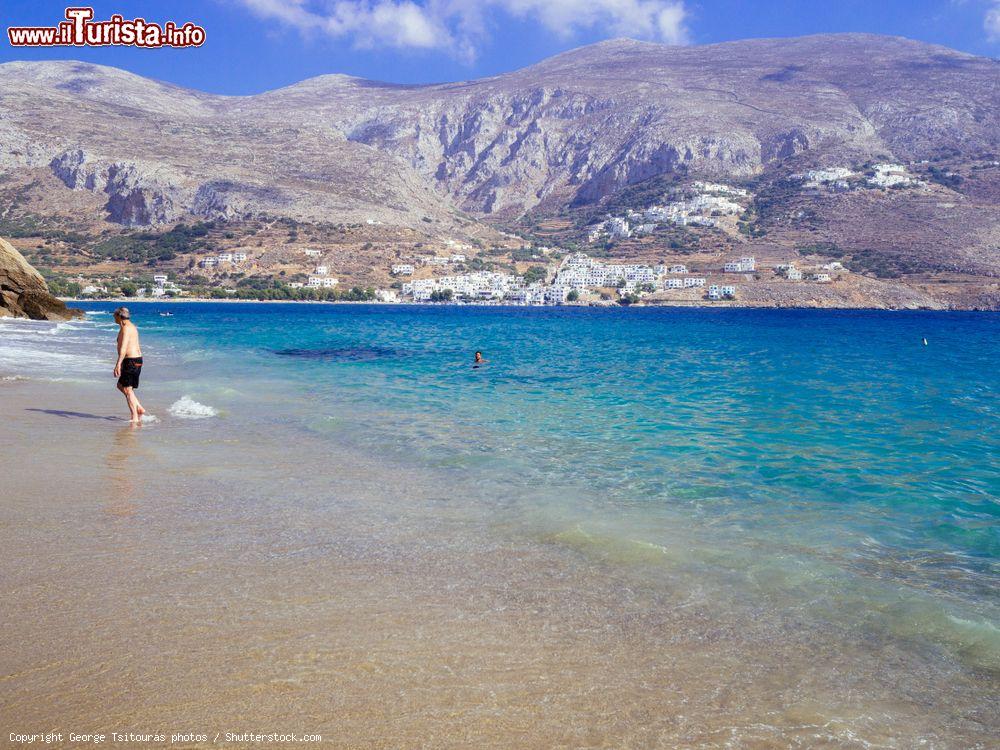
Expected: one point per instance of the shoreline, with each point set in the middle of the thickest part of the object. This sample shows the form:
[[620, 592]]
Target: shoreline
[[679, 305]]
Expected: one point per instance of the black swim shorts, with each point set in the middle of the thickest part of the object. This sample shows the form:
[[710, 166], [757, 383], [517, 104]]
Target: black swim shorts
[[131, 369]]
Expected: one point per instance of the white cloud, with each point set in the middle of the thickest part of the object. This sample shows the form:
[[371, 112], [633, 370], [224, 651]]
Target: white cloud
[[992, 23], [661, 20], [386, 22], [461, 26]]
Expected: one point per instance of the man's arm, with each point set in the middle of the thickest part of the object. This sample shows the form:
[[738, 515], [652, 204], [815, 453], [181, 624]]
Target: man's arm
[[121, 353]]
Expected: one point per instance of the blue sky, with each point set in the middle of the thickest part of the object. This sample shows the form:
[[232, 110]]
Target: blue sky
[[255, 45]]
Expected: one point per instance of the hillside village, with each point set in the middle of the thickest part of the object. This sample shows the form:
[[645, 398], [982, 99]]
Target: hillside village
[[718, 259]]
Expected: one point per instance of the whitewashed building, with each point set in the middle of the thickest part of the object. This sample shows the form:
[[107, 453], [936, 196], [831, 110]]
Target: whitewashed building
[[533, 294], [402, 269], [556, 294], [717, 292], [715, 187], [481, 286], [746, 264], [322, 282], [892, 175], [831, 176], [579, 271]]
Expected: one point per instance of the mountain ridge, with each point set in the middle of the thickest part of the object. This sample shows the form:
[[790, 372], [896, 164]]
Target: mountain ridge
[[463, 159]]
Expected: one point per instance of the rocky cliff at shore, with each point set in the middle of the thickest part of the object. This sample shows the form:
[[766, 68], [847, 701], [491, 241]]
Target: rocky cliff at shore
[[23, 291]]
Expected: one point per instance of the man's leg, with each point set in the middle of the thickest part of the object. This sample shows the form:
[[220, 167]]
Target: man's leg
[[138, 406], [130, 400], [121, 388]]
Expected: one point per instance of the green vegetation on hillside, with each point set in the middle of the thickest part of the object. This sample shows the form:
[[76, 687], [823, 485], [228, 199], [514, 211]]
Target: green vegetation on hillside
[[534, 274], [146, 247], [31, 226], [826, 249], [944, 177], [641, 194], [885, 265]]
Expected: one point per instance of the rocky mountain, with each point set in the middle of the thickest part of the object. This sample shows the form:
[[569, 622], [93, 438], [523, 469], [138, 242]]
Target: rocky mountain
[[587, 122], [574, 130], [574, 127], [23, 292]]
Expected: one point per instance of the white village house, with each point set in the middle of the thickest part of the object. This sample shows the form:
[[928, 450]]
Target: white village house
[[745, 264], [324, 282]]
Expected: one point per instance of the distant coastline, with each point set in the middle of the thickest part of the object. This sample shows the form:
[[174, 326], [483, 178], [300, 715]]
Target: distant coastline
[[713, 305]]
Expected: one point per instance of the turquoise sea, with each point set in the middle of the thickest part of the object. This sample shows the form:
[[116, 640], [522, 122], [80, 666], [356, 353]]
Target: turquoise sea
[[822, 467]]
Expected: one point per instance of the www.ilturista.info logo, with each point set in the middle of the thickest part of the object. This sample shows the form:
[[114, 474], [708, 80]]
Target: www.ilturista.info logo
[[79, 30]]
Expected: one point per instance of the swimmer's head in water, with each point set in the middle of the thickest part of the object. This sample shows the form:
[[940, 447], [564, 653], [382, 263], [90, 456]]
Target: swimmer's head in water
[[122, 313], [479, 356]]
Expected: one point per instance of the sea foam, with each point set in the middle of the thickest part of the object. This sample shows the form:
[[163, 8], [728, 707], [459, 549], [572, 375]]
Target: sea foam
[[187, 408]]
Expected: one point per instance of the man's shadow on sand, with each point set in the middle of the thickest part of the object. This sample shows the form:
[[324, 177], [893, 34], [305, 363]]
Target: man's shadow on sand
[[75, 414]]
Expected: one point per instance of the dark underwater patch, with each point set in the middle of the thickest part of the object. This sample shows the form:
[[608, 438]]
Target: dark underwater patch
[[342, 354]]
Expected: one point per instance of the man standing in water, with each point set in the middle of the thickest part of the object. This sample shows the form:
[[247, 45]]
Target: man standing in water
[[129, 365]]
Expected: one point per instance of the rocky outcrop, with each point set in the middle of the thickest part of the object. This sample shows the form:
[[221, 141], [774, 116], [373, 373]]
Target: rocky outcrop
[[23, 291], [138, 194]]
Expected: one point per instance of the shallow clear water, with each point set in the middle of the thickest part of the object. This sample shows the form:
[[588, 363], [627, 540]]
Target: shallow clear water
[[816, 463]]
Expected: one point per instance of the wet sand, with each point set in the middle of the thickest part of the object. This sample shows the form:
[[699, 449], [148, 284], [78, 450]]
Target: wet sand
[[179, 578]]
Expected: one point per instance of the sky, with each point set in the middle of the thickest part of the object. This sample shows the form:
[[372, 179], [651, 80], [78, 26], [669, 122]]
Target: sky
[[258, 45]]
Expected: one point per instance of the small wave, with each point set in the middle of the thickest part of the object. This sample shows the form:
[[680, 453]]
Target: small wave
[[187, 408], [65, 327], [150, 419]]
